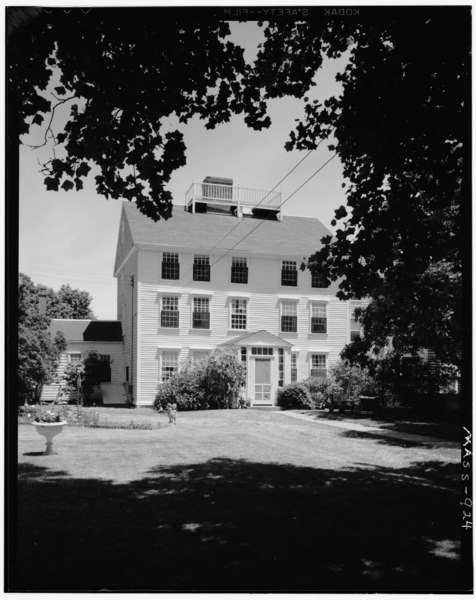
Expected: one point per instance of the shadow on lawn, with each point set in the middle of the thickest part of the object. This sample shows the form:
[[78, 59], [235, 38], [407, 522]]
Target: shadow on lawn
[[233, 525]]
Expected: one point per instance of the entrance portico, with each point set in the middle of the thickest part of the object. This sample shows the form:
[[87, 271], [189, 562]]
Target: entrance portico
[[267, 359]]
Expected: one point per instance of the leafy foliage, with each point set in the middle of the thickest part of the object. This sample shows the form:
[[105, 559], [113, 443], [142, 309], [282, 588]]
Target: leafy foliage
[[211, 383], [400, 128], [295, 395], [38, 353], [186, 389], [69, 303], [126, 76], [85, 376]]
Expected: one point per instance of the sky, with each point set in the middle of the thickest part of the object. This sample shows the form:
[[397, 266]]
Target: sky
[[71, 237]]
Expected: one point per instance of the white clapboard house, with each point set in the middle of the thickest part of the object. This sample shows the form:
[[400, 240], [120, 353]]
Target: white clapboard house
[[225, 271]]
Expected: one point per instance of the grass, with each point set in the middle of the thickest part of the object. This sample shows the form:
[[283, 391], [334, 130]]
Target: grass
[[235, 501]]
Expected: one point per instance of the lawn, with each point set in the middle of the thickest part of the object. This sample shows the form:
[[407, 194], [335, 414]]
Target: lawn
[[235, 501]]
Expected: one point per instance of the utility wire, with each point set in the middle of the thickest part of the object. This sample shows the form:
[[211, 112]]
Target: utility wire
[[208, 251], [267, 218]]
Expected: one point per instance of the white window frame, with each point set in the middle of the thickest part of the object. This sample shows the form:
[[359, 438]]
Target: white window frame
[[231, 313], [323, 353], [200, 296], [163, 351], [294, 355], [318, 304], [167, 253], [352, 306], [289, 302], [74, 353], [195, 351], [161, 308]]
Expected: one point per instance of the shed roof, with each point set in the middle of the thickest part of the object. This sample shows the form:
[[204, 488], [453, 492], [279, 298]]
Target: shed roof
[[87, 330], [293, 236]]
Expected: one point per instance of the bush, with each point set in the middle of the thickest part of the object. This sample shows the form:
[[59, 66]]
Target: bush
[[186, 389], [295, 395], [224, 376], [342, 388]]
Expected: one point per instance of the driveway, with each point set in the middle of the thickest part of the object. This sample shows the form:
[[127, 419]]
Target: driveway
[[238, 501]]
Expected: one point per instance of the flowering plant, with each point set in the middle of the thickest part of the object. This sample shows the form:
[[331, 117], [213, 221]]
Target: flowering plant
[[48, 416]]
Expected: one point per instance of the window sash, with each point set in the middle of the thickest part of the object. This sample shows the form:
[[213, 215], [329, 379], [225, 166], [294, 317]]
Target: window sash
[[318, 280], [170, 270], [288, 323], [169, 318], [318, 372], [318, 325], [168, 365], [201, 268], [238, 313], [201, 320], [289, 276], [239, 274]]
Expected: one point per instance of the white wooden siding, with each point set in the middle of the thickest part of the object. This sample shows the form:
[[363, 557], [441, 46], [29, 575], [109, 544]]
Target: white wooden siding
[[264, 292], [113, 349]]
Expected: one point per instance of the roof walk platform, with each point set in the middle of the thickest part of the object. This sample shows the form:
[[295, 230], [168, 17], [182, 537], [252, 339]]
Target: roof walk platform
[[220, 195]]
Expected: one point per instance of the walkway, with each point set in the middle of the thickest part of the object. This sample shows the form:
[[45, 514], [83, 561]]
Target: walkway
[[376, 429]]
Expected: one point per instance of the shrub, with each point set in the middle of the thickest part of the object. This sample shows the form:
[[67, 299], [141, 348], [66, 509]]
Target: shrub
[[186, 389], [224, 375], [295, 395]]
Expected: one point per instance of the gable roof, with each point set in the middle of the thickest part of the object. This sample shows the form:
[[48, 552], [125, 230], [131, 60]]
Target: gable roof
[[293, 236], [86, 330]]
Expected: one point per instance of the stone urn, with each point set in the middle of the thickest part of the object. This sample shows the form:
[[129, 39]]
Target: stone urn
[[49, 431]]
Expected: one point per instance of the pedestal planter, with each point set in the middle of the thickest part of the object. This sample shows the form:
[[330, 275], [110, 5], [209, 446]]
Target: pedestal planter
[[49, 430]]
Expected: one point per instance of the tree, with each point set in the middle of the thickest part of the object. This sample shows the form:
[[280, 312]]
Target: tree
[[84, 377], [125, 76], [401, 130], [38, 353], [69, 303]]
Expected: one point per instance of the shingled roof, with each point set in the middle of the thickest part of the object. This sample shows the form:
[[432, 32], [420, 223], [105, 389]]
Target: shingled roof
[[293, 236], [86, 330]]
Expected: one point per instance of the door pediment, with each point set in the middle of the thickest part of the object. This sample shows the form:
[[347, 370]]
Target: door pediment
[[261, 338]]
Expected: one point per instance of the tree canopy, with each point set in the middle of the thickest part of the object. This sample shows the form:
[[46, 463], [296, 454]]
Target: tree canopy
[[400, 128], [401, 132], [38, 353]]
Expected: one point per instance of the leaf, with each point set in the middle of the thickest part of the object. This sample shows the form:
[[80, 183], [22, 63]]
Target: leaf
[[60, 90], [83, 170], [38, 119], [67, 185], [79, 184], [52, 183]]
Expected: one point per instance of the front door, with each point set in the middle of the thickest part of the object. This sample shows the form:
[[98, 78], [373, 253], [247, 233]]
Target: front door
[[262, 382]]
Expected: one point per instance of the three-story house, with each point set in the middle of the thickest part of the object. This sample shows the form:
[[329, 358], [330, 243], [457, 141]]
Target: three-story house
[[225, 271]]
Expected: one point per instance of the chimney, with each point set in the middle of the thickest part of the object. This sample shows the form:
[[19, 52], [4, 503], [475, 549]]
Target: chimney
[[42, 300]]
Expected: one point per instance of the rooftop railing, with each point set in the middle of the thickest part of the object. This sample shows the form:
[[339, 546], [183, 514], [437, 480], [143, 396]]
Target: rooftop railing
[[232, 195]]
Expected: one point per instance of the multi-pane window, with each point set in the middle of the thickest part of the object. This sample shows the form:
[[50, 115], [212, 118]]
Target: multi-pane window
[[201, 313], [318, 280], [289, 272], [170, 265], [239, 270], [201, 267], [238, 313], [318, 365], [288, 316], [169, 315], [355, 326], [261, 351], [318, 317], [74, 357], [244, 355], [168, 364], [280, 367], [293, 367]]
